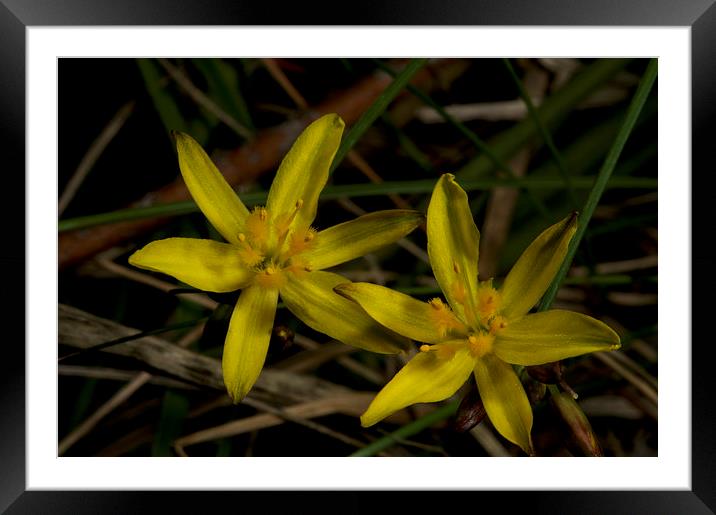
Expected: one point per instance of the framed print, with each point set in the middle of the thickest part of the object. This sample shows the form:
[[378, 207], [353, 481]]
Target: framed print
[[251, 250]]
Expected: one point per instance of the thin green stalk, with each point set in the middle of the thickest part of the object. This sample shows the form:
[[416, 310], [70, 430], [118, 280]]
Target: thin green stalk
[[471, 136], [544, 132], [481, 145], [600, 184], [349, 190], [164, 104], [408, 430], [224, 87], [552, 110], [376, 109], [408, 145]]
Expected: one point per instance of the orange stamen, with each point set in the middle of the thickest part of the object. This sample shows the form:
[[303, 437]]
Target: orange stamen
[[443, 317], [480, 344], [257, 227], [271, 277], [250, 256], [301, 240]]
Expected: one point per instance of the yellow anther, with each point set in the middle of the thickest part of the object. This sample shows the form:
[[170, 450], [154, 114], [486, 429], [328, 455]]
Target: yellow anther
[[480, 344], [442, 350], [488, 301], [248, 254], [497, 324], [436, 304], [301, 240], [297, 266], [442, 317], [257, 227], [283, 223], [455, 267], [271, 277]]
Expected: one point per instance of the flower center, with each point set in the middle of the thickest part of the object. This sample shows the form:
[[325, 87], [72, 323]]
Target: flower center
[[480, 344], [271, 247], [484, 324]]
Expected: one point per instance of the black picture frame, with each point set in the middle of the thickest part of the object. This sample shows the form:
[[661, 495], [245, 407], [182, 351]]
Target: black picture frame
[[17, 15]]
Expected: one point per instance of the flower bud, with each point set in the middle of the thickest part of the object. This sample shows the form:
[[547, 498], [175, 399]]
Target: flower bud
[[549, 373], [470, 412], [281, 339], [535, 390], [577, 421]]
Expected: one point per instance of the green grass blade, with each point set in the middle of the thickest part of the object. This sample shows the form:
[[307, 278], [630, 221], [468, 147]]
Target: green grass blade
[[471, 136], [351, 190], [635, 107], [376, 109], [164, 104], [408, 430], [175, 408], [224, 88], [408, 145], [553, 109], [544, 132]]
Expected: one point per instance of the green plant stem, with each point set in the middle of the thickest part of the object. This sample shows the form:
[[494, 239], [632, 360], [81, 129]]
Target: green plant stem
[[351, 190], [376, 109], [408, 430], [552, 110], [471, 136], [544, 132], [633, 111]]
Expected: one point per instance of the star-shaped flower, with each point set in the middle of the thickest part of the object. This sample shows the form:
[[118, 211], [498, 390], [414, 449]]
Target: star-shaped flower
[[274, 251], [481, 330]]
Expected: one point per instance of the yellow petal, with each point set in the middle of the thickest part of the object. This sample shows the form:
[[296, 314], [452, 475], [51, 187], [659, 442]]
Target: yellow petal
[[536, 267], [361, 236], [453, 241], [553, 335], [505, 400], [425, 378], [403, 314], [204, 264], [248, 339], [304, 171], [311, 298], [216, 199]]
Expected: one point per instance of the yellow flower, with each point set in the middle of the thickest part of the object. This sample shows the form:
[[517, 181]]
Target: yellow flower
[[480, 330], [274, 251]]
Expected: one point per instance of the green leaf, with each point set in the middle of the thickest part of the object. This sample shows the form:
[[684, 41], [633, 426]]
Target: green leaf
[[600, 184], [224, 88], [376, 109], [175, 408], [408, 430], [351, 190], [551, 112], [163, 101]]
